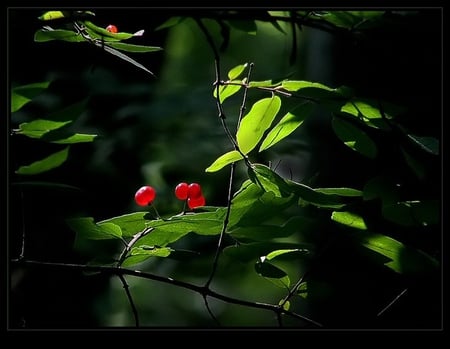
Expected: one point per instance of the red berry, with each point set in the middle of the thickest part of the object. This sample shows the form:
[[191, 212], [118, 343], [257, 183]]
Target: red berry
[[111, 28], [195, 190], [181, 191], [196, 202], [145, 195]]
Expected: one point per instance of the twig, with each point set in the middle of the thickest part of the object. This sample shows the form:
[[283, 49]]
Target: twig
[[144, 275], [205, 298], [128, 246], [130, 299], [392, 302]]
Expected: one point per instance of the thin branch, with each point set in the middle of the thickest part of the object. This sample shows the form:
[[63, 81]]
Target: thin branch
[[205, 298], [392, 302], [144, 275], [130, 299], [22, 248], [128, 247]]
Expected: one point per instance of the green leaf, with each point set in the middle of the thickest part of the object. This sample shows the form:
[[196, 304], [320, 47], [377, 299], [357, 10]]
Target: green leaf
[[246, 26], [400, 258], [286, 305], [37, 128], [288, 124], [130, 224], [296, 85], [302, 290], [265, 83], [133, 48], [262, 232], [86, 228], [247, 252], [105, 34], [46, 164], [49, 34], [226, 91], [349, 219], [236, 72], [256, 122], [354, 138], [172, 21], [313, 197], [269, 180], [340, 191], [381, 187], [272, 273], [224, 160], [72, 138], [152, 251], [412, 213], [171, 230], [274, 254], [21, 95]]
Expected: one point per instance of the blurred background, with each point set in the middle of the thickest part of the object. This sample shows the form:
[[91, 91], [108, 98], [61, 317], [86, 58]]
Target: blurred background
[[165, 130]]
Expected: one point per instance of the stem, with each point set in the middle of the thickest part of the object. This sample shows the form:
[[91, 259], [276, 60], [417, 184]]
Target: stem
[[200, 289], [392, 302], [130, 299], [128, 247]]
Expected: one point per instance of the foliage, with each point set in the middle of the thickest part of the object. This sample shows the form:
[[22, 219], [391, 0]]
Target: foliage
[[271, 224]]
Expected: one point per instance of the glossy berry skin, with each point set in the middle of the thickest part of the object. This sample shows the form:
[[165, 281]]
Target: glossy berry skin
[[196, 202], [112, 28], [181, 191], [195, 190], [145, 195]]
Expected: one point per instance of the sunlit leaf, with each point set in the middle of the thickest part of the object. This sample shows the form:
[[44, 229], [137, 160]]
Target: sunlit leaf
[[354, 138], [151, 251], [349, 219], [286, 305], [224, 160], [302, 290], [52, 161], [37, 128], [399, 257], [274, 254], [256, 122], [228, 90], [296, 85], [49, 34], [247, 252], [272, 273], [288, 124], [340, 191], [236, 72], [21, 95]]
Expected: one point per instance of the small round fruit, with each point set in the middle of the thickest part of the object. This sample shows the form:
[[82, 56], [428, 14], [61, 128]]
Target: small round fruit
[[195, 190], [181, 191], [145, 195], [112, 28], [196, 202]]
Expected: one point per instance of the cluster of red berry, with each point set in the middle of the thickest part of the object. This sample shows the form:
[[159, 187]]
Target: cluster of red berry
[[183, 191]]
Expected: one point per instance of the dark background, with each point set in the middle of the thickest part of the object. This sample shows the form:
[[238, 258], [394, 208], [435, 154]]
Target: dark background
[[166, 130]]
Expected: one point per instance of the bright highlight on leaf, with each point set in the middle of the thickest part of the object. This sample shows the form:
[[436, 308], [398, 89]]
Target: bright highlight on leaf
[[256, 122], [46, 164], [350, 219], [224, 160]]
